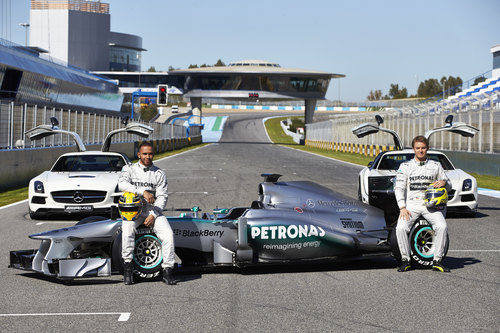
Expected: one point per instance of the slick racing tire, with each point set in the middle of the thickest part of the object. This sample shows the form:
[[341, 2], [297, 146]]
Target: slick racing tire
[[90, 219], [147, 254], [421, 239]]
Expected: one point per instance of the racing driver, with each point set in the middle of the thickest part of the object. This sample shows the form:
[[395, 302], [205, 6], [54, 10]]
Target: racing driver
[[144, 178], [412, 179]]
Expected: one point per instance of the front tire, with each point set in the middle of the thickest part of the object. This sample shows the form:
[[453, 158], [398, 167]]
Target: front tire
[[147, 254], [422, 244]]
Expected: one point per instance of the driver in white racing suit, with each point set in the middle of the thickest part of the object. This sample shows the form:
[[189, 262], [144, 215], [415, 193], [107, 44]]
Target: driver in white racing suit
[[144, 178], [412, 179]]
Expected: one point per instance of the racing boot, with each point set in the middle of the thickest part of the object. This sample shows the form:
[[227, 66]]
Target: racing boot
[[438, 266], [405, 266], [168, 276], [128, 273]]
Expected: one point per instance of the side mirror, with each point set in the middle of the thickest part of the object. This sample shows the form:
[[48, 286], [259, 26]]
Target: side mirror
[[125, 120], [379, 119], [54, 122], [449, 119]]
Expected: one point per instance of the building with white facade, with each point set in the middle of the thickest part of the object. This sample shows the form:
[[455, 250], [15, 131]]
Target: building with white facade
[[78, 33]]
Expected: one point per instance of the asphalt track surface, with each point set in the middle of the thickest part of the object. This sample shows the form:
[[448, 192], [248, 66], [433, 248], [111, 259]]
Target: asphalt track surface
[[364, 296]]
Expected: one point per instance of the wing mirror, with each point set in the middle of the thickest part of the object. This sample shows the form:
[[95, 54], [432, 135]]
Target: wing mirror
[[379, 119], [54, 122], [449, 119]]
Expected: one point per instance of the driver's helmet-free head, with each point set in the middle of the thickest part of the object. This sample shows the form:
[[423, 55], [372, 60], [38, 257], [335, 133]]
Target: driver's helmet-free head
[[436, 197], [130, 206]]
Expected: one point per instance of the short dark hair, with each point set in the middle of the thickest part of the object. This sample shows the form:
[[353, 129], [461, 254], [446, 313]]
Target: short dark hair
[[145, 144], [420, 138]]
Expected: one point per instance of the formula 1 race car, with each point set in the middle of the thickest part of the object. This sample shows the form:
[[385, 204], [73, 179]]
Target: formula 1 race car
[[291, 222]]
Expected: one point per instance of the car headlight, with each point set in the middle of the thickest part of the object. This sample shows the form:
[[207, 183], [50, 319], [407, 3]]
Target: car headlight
[[39, 187], [467, 186]]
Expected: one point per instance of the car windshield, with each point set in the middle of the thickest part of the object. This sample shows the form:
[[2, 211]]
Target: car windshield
[[76, 163], [392, 161]]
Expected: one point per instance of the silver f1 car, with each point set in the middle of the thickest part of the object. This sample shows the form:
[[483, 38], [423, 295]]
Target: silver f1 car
[[296, 221]]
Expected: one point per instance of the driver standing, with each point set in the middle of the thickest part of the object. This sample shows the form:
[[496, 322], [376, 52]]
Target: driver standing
[[144, 178], [412, 179]]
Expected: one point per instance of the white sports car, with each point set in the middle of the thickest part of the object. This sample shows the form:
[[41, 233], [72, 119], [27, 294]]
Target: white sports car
[[79, 182], [376, 181]]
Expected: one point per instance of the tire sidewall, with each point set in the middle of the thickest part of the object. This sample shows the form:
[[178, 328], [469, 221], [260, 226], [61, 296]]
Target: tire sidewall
[[141, 272], [417, 258]]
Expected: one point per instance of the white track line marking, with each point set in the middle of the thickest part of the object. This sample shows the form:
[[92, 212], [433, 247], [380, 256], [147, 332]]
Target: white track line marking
[[190, 177], [13, 204], [124, 316], [188, 193], [184, 152], [473, 250]]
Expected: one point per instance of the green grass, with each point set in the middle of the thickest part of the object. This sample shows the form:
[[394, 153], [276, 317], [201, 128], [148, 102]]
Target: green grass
[[13, 195], [278, 136], [21, 193]]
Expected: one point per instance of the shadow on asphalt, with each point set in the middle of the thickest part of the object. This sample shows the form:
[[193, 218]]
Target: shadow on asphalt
[[70, 282], [456, 263]]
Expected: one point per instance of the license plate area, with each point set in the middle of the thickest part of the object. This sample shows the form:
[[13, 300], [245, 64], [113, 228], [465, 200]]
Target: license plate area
[[78, 209]]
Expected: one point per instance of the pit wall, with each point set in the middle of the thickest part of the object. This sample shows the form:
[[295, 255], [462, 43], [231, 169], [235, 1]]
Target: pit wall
[[480, 163], [18, 166]]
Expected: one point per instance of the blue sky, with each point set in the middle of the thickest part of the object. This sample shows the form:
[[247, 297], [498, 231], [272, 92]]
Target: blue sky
[[374, 43]]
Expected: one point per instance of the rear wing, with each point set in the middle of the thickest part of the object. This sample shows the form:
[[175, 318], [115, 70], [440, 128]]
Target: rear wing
[[43, 131], [372, 128], [133, 128]]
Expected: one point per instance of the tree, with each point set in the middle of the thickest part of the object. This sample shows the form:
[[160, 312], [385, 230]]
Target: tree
[[151, 69], [374, 95], [219, 63], [397, 93], [193, 66], [429, 88], [171, 68], [204, 65], [148, 112], [479, 80]]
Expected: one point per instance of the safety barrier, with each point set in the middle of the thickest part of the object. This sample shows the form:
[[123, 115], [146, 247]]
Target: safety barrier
[[15, 119], [348, 147], [20, 165], [285, 108]]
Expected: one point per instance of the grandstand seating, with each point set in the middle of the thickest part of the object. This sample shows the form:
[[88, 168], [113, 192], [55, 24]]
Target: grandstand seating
[[477, 96]]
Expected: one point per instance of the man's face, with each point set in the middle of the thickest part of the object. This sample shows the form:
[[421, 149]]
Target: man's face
[[420, 150], [145, 154]]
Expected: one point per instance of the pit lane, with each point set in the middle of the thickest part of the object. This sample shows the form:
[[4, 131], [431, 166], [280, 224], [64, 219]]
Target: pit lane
[[367, 295]]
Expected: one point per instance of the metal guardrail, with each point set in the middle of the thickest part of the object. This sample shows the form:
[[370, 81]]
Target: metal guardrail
[[16, 119]]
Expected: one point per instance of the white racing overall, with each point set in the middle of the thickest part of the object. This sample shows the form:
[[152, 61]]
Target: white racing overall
[[136, 179], [412, 179]]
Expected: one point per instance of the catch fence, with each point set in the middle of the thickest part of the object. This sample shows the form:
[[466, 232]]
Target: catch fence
[[16, 119], [337, 133]]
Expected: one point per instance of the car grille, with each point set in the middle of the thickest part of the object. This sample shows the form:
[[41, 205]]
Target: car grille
[[381, 183], [468, 197], [78, 197], [451, 194]]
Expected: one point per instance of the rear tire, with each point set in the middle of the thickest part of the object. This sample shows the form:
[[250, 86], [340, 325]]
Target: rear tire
[[421, 240]]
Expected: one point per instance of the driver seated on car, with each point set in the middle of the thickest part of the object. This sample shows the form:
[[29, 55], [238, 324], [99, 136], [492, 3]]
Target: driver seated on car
[[146, 180], [413, 178]]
